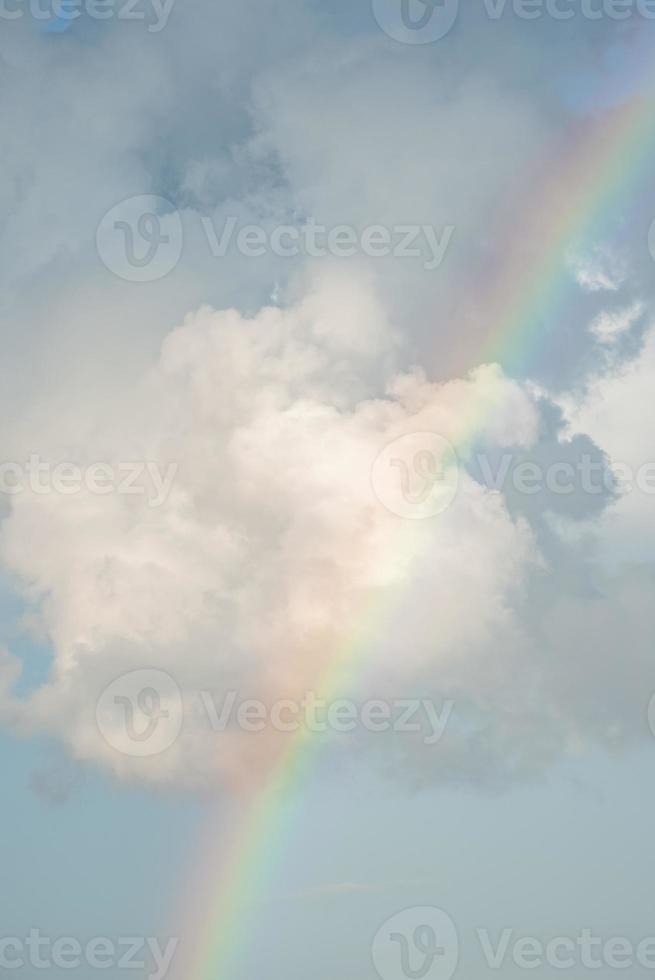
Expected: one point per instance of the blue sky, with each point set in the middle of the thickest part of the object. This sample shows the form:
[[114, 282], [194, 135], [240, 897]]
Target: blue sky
[[545, 858], [227, 460]]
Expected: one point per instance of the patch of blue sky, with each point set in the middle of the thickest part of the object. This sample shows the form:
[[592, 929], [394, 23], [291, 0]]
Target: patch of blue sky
[[35, 655]]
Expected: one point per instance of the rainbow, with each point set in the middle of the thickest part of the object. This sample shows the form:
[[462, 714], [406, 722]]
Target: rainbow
[[606, 158], [582, 190]]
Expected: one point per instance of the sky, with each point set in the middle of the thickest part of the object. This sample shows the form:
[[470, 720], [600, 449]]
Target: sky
[[326, 488]]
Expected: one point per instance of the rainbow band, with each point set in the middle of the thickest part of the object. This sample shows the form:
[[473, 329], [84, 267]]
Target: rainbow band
[[607, 157], [602, 159]]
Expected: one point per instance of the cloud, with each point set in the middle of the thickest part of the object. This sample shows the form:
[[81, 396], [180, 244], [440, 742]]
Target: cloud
[[259, 566], [273, 554], [607, 327], [272, 551], [599, 270], [616, 410]]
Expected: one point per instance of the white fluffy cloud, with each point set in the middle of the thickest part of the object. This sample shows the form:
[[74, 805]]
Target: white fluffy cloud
[[272, 550], [618, 413], [272, 544]]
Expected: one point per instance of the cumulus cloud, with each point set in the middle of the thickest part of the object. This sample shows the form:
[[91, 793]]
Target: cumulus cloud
[[273, 555], [273, 552], [258, 567], [616, 410]]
